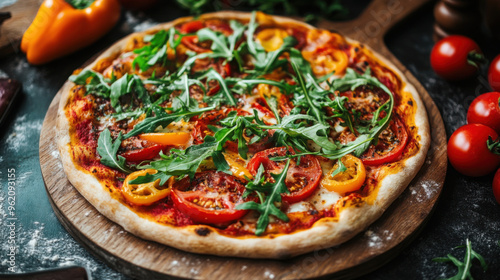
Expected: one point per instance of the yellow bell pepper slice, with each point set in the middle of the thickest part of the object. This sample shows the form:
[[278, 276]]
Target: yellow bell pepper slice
[[271, 39], [348, 181], [167, 138], [146, 193]]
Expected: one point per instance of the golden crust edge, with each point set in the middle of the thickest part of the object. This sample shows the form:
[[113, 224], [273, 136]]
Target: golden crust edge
[[325, 233]]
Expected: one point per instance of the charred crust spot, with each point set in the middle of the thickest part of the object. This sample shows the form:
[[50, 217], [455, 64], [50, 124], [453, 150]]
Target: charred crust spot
[[313, 212], [202, 231], [410, 102]]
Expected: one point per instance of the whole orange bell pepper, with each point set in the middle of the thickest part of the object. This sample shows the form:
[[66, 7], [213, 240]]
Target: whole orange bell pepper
[[60, 29]]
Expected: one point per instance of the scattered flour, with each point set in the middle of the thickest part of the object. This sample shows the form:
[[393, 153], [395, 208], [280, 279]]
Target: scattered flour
[[23, 134], [41, 252], [136, 22], [269, 275], [377, 240], [424, 191], [5, 3]]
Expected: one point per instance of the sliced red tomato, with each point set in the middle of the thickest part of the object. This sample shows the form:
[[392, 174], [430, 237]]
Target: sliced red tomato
[[192, 43], [391, 144], [496, 186], [224, 70], [299, 36], [142, 154], [261, 145], [284, 105], [468, 152], [261, 105], [301, 180], [219, 25], [192, 26], [485, 109], [210, 197], [209, 118]]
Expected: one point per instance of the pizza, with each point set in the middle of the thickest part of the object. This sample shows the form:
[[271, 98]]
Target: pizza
[[241, 134]]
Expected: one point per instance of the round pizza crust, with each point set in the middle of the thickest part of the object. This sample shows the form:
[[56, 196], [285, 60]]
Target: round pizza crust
[[326, 232]]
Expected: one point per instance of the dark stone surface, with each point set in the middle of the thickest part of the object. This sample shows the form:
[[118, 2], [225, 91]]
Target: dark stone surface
[[466, 209]]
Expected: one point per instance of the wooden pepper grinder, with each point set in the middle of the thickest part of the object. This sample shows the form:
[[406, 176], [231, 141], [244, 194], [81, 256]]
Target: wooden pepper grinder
[[457, 17]]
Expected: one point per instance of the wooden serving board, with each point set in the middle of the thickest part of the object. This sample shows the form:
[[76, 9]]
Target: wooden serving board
[[366, 252], [11, 31]]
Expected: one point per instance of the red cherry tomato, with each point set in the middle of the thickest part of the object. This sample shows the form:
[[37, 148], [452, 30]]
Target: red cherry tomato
[[142, 154], [210, 197], [485, 109], [451, 57], [390, 146], [301, 180], [136, 5], [468, 152], [496, 186], [494, 74]]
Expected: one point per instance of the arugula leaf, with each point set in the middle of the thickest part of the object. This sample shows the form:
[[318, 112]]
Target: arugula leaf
[[267, 206], [155, 52], [180, 163], [465, 266], [194, 6], [118, 89], [340, 168], [211, 74], [247, 84], [151, 178], [162, 119], [219, 41], [313, 110], [107, 149], [97, 85], [272, 102], [136, 85], [353, 80], [130, 114]]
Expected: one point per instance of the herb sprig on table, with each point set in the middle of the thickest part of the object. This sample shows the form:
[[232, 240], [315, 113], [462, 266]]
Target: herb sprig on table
[[464, 266]]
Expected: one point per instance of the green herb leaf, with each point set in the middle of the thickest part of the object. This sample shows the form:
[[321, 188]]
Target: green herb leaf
[[155, 52], [98, 85], [465, 266], [340, 168], [267, 205], [151, 178], [162, 119], [119, 89], [108, 149], [211, 74]]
